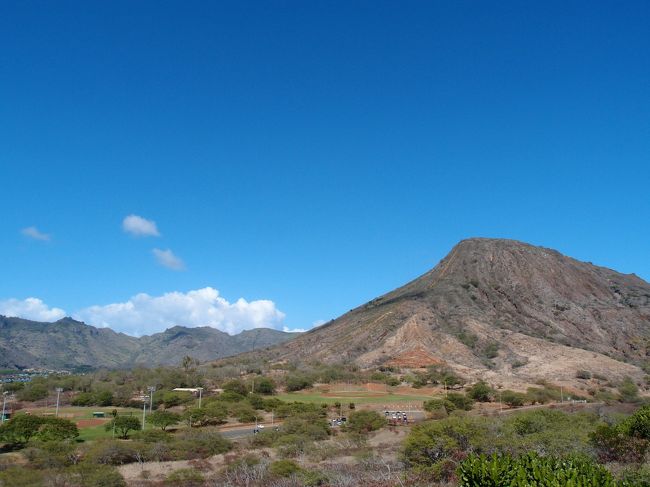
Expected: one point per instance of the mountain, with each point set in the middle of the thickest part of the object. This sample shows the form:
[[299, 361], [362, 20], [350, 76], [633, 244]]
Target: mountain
[[70, 345], [496, 308]]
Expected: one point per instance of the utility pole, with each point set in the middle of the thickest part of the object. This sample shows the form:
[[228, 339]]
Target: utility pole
[[4, 404], [58, 393], [561, 394], [200, 389], [144, 409]]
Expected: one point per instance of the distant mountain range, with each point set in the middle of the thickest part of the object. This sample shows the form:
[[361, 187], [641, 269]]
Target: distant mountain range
[[72, 345], [499, 310]]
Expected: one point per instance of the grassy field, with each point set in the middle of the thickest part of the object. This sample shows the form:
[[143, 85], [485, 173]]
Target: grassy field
[[93, 433], [87, 431], [81, 412], [357, 397]]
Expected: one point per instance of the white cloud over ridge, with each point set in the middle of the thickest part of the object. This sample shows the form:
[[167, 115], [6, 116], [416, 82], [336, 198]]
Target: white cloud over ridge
[[140, 227], [36, 234], [144, 314], [167, 258], [30, 309]]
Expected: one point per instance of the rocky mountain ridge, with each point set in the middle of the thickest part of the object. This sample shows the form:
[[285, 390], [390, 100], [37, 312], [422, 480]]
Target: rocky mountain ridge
[[73, 345], [496, 308]]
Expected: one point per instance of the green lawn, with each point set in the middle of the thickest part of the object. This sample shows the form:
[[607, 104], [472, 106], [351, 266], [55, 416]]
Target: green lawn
[[93, 433], [357, 397], [84, 412]]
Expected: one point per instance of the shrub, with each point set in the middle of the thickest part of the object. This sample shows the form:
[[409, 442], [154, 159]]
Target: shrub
[[297, 383], [264, 385], [84, 475], [547, 432], [21, 477], [512, 398], [628, 390], [230, 396], [491, 350], [365, 421], [32, 392], [531, 469], [23, 427], [638, 476], [110, 452], [430, 446], [243, 412], [171, 399], [186, 477], [200, 444], [481, 392], [536, 395], [638, 424], [468, 339], [284, 468], [235, 386], [460, 401], [439, 408], [392, 381], [583, 374], [310, 425]]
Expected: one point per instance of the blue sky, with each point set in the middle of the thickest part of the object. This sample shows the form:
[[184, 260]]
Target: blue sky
[[308, 156]]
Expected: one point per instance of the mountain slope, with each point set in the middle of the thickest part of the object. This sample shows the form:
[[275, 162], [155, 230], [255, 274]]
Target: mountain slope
[[496, 307], [69, 344]]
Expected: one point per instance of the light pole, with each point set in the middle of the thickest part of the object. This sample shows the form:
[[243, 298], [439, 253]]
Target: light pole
[[4, 404], [151, 390], [144, 409], [59, 390], [200, 389]]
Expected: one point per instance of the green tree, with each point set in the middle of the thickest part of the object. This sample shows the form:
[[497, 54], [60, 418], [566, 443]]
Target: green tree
[[195, 416], [365, 421], [163, 419], [481, 392], [20, 429], [460, 401], [512, 398], [56, 429], [32, 392], [236, 386], [123, 425], [264, 385], [297, 383]]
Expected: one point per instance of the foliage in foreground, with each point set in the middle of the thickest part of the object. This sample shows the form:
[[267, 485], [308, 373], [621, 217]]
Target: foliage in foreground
[[532, 470], [23, 427]]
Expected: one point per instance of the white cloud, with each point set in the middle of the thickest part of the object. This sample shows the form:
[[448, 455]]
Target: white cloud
[[35, 233], [144, 314], [30, 309], [168, 259], [140, 227], [286, 329]]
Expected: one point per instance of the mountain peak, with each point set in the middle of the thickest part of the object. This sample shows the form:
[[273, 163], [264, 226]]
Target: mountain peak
[[532, 304]]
